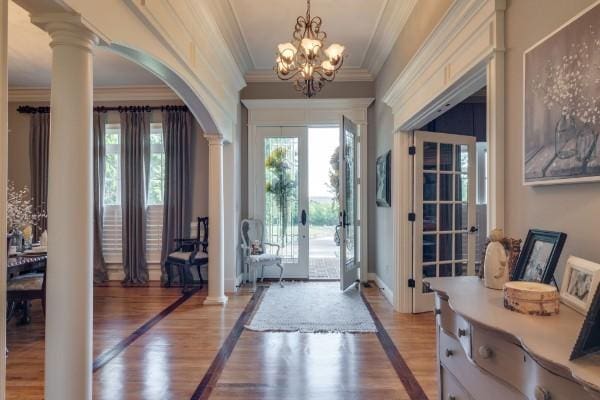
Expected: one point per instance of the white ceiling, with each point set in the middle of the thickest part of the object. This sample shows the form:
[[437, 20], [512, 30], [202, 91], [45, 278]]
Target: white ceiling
[[30, 58], [266, 23]]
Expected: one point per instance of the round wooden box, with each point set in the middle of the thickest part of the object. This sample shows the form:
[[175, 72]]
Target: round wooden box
[[531, 298]]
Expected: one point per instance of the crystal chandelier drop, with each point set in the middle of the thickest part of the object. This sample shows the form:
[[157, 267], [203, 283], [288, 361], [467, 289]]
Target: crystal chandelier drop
[[305, 60]]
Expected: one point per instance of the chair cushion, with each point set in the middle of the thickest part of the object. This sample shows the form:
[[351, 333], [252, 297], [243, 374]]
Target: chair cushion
[[26, 282], [263, 258], [185, 255]]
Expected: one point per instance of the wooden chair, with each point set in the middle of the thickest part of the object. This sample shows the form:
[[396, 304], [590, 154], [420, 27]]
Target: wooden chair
[[188, 253], [23, 289], [253, 231]]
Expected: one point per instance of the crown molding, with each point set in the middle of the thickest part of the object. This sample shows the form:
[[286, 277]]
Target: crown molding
[[115, 93], [228, 23], [344, 75], [394, 16], [311, 104]]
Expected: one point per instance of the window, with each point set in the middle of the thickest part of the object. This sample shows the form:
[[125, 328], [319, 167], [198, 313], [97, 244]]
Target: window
[[112, 228]]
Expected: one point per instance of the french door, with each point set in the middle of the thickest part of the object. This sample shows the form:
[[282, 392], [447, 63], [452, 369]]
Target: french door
[[348, 223], [281, 194], [445, 210]]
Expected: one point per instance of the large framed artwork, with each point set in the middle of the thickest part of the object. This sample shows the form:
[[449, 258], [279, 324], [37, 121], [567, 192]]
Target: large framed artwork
[[561, 106], [383, 180]]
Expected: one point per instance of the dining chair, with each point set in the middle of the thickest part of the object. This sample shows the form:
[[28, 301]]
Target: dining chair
[[21, 290], [253, 246]]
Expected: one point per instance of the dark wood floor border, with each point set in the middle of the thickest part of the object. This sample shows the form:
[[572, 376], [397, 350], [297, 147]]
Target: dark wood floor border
[[408, 379], [209, 381], [117, 349]]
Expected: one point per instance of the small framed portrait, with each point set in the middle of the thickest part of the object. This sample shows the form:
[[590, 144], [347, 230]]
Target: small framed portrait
[[539, 257], [383, 180], [579, 283], [588, 341]]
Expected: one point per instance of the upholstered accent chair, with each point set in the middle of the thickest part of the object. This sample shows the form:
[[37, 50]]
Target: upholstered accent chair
[[253, 247], [189, 253], [21, 289]]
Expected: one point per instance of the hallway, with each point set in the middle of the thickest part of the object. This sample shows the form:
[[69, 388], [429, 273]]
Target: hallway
[[152, 343]]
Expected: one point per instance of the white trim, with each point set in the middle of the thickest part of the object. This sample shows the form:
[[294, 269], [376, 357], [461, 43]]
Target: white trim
[[3, 184], [393, 19], [228, 22], [384, 289], [345, 74], [463, 53], [114, 93], [312, 104]]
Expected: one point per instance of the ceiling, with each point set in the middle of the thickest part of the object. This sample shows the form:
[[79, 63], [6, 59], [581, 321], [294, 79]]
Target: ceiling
[[30, 58]]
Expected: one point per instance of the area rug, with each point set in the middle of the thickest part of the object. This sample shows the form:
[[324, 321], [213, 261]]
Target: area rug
[[312, 307]]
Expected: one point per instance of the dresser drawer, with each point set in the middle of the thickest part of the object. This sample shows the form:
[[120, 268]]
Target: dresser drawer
[[512, 364], [479, 384], [451, 389], [453, 324]]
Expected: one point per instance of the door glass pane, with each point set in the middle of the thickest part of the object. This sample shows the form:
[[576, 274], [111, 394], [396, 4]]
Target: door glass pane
[[462, 187], [461, 216], [446, 247], [430, 156], [462, 158], [460, 269], [446, 157], [446, 187], [350, 196], [429, 271], [429, 187], [460, 247], [281, 195], [446, 217], [429, 248], [429, 217], [445, 269]]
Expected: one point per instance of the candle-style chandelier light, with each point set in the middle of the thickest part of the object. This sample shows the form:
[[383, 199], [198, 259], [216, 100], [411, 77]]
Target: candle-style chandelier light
[[305, 60]]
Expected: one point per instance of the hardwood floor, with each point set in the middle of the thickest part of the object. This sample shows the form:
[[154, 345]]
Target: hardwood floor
[[171, 358]]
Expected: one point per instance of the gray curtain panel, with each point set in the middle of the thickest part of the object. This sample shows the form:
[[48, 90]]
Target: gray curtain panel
[[178, 139], [100, 272], [135, 163], [39, 141]]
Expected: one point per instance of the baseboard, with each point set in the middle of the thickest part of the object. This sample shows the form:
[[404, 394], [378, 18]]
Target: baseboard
[[385, 290], [232, 285], [115, 272]]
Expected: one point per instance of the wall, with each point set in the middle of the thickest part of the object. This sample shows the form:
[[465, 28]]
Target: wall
[[18, 159], [285, 90], [574, 208], [423, 19]]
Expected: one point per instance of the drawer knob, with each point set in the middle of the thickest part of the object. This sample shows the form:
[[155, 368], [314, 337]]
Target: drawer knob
[[449, 353], [485, 352], [462, 332], [541, 393]]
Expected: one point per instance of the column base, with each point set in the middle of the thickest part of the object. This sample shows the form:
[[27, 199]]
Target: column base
[[215, 301]]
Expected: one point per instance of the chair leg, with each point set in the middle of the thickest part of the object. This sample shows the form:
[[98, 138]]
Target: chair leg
[[280, 274], [182, 278], [254, 278], [169, 271], [262, 273], [44, 306], [10, 310], [200, 276]]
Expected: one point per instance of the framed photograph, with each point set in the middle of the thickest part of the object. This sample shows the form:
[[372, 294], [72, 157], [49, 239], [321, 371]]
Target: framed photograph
[[384, 190], [579, 283], [589, 337], [561, 117], [539, 256]]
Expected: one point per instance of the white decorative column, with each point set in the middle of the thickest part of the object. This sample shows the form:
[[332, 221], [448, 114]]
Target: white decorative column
[[69, 291], [216, 223]]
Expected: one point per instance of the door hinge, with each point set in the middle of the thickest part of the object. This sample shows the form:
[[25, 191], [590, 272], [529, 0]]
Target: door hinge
[[412, 150], [412, 217], [411, 283]]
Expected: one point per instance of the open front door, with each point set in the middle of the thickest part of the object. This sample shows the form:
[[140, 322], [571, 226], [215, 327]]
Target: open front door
[[444, 234], [348, 227]]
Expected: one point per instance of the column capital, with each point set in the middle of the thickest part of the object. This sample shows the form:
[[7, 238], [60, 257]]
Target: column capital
[[66, 29], [214, 138]]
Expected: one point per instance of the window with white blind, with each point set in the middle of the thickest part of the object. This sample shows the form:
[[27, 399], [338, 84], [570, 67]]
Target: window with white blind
[[112, 232]]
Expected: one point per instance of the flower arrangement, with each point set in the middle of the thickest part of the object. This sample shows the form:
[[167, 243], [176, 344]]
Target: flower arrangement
[[20, 210]]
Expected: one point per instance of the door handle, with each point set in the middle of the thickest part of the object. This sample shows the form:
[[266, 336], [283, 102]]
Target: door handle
[[303, 217], [473, 229]]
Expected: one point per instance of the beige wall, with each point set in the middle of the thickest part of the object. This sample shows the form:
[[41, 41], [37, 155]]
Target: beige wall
[[574, 208], [18, 145], [423, 19]]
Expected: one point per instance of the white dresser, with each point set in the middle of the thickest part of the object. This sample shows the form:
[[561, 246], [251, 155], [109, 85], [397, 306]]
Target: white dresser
[[487, 352]]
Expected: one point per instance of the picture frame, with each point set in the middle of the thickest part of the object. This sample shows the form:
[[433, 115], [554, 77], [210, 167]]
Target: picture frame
[[383, 188], [588, 340], [560, 138], [580, 283], [539, 256]]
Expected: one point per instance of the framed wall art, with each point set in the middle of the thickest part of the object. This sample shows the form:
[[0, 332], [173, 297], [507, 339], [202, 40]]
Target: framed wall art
[[384, 189], [561, 104], [539, 256]]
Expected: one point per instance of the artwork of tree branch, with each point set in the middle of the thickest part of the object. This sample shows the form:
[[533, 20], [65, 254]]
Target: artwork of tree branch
[[562, 104]]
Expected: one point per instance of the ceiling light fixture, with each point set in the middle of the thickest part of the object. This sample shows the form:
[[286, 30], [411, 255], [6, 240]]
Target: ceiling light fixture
[[305, 60]]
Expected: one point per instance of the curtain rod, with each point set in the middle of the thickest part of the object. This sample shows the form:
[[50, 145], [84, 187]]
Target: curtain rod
[[46, 109]]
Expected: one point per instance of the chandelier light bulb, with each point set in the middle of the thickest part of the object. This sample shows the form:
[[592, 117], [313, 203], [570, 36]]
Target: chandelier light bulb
[[287, 51], [311, 47], [335, 52]]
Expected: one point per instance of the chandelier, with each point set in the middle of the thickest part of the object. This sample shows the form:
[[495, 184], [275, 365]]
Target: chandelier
[[305, 60]]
